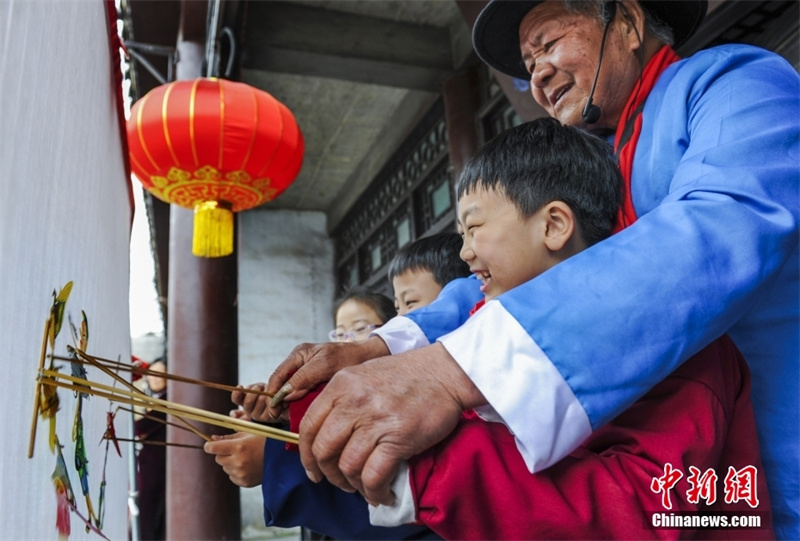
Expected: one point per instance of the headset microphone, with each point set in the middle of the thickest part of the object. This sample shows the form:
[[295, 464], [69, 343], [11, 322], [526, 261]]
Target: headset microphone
[[591, 112]]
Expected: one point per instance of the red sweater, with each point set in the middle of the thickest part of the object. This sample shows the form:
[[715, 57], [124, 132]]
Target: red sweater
[[475, 485]]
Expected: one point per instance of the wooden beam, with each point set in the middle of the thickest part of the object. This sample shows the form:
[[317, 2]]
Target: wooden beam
[[287, 37]]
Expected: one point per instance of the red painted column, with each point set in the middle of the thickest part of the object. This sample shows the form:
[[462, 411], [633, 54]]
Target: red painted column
[[202, 343], [202, 503], [461, 105]]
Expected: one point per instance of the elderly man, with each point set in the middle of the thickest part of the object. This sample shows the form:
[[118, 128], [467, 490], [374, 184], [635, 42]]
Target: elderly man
[[710, 150]]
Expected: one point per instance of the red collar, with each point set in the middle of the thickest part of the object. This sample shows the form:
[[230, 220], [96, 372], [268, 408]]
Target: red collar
[[630, 127]]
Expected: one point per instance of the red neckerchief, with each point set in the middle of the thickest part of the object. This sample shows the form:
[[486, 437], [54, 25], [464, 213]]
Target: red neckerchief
[[477, 306], [297, 409], [630, 126]]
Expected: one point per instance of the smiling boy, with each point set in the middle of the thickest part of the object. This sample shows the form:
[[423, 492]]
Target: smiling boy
[[421, 269], [532, 197], [521, 215], [505, 248]]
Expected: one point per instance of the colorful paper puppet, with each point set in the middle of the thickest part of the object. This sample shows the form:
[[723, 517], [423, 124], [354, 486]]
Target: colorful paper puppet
[[81, 338], [81, 462], [57, 312], [64, 494], [110, 435], [66, 499], [48, 397]]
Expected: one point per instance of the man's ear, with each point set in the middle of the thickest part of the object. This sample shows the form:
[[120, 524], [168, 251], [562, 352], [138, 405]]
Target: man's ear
[[632, 23], [559, 225]]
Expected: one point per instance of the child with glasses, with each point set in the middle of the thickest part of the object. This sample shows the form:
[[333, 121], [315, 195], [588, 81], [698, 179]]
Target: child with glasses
[[357, 312]]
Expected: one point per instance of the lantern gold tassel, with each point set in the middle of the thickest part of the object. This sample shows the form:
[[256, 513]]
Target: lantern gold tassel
[[213, 229]]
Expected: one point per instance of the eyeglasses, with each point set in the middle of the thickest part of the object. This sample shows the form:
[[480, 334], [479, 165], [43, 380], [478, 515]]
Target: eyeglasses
[[357, 333]]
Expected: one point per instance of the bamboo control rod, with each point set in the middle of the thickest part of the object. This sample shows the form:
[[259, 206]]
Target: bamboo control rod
[[56, 379]]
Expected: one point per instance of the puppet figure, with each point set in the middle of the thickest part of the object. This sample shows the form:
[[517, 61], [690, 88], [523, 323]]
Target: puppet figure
[[81, 338], [48, 406], [81, 463], [57, 312], [64, 494], [111, 433], [48, 397]]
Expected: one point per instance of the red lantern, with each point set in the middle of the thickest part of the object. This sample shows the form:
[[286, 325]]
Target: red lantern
[[217, 147]]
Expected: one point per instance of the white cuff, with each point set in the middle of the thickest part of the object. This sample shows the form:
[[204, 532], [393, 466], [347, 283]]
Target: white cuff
[[521, 384], [402, 511], [401, 335]]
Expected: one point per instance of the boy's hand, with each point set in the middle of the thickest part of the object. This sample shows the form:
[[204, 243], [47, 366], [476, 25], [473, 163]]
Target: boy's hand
[[309, 365], [239, 414], [241, 456]]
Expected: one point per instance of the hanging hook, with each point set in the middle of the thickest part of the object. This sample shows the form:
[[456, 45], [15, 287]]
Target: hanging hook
[[227, 32]]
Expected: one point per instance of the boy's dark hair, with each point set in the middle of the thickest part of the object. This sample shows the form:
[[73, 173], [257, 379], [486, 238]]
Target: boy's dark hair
[[542, 161], [383, 305], [437, 254]]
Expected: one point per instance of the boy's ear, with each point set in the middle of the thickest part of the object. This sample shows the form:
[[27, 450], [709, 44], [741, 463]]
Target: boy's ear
[[559, 225]]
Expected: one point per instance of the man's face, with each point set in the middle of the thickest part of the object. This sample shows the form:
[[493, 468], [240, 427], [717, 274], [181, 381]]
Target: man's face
[[560, 50], [414, 289], [502, 248]]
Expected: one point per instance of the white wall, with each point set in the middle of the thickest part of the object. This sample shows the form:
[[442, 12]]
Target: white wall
[[286, 290], [65, 212]]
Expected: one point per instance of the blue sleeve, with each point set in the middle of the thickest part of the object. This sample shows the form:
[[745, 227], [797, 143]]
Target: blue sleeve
[[290, 499], [450, 310], [714, 250]]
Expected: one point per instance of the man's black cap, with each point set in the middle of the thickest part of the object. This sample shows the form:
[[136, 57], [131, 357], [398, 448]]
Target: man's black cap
[[496, 32]]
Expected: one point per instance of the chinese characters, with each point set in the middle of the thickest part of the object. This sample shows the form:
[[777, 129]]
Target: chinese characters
[[739, 485]]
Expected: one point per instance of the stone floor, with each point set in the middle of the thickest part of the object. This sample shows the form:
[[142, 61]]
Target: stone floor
[[256, 533]]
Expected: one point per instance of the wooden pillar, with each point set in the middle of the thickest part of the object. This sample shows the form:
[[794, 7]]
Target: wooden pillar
[[517, 92], [202, 343], [461, 105]]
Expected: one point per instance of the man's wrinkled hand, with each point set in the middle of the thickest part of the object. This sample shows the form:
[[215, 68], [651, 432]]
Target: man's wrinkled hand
[[373, 416], [308, 365]]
